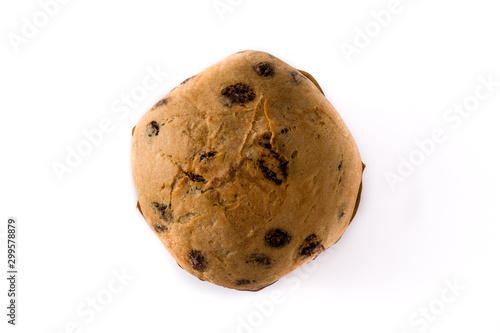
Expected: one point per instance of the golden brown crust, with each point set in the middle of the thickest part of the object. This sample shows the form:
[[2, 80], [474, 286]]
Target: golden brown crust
[[246, 171], [358, 199], [313, 80]]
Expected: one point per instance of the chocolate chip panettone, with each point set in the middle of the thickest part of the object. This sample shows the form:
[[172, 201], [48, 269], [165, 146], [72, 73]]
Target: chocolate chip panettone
[[246, 171]]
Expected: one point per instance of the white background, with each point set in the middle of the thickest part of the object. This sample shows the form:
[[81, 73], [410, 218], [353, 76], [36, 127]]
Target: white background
[[440, 225]]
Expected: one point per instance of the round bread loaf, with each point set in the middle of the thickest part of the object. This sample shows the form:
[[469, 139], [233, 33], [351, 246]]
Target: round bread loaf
[[245, 171]]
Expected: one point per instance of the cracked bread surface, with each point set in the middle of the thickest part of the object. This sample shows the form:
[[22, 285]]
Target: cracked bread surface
[[245, 171]]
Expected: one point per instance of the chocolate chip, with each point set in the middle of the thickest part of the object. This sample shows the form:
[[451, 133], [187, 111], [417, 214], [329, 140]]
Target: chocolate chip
[[284, 167], [194, 190], [238, 93], [264, 69], [198, 260], [196, 178], [208, 155], [274, 167], [259, 260], [162, 102], [311, 246], [294, 154], [159, 206], [160, 228], [164, 211], [341, 211], [269, 174], [186, 80], [243, 282], [284, 130], [152, 129], [267, 146], [277, 238], [165, 214], [297, 77], [265, 140]]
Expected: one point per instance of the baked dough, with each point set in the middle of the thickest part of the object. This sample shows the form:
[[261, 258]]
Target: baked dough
[[246, 171]]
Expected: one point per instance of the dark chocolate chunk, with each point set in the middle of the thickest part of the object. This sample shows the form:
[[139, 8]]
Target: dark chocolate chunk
[[196, 178], [341, 211], [160, 228], [198, 260], [277, 238], [297, 77], [265, 140], [159, 206], [162, 102], [152, 129], [164, 211], [208, 155], [243, 282], [311, 246], [195, 190], [269, 174], [274, 167], [238, 93], [264, 69], [259, 260]]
